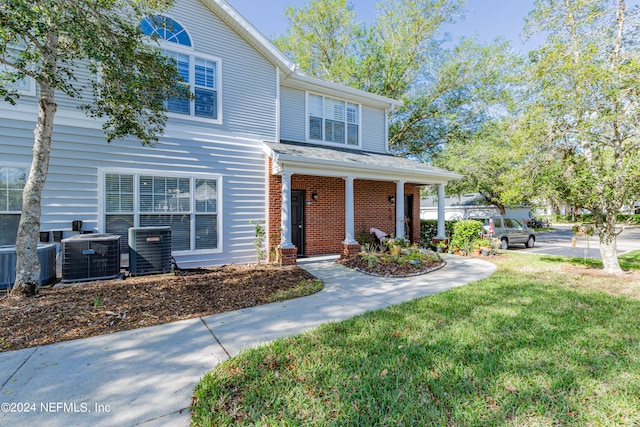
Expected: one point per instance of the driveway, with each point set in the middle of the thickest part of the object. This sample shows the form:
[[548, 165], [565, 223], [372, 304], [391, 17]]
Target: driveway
[[558, 242]]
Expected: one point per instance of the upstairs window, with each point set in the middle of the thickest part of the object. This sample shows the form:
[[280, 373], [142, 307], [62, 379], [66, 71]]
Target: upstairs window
[[200, 74], [165, 29], [333, 120], [23, 86]]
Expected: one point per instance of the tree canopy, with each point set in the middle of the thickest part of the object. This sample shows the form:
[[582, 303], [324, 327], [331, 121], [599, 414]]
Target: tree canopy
[[584, 115]]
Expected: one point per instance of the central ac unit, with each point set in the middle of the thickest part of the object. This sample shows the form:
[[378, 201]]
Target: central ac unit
[[149, 250], [90, 257]]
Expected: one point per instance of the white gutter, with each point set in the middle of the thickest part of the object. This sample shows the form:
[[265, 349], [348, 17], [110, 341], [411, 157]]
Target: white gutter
[[301, 81]]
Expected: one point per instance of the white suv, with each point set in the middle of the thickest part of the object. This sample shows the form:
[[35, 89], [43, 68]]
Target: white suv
[[508, 230]]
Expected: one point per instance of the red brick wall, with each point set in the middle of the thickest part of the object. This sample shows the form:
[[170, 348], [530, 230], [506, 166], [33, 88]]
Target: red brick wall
[[325, 218], [373, 209]]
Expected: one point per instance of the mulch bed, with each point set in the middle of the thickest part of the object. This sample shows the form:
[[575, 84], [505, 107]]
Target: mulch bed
[[101, 307], [391, 269]]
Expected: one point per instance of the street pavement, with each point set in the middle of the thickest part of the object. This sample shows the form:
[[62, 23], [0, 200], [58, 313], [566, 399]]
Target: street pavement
[[559, 242]]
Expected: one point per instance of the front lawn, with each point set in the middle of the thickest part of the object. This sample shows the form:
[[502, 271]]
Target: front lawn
[[535, 344]]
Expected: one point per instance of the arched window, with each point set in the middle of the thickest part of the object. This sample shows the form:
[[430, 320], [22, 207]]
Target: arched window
[[200, 72], [165, 29]]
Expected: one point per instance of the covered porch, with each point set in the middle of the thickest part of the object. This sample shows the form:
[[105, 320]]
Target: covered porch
[[322, 198]]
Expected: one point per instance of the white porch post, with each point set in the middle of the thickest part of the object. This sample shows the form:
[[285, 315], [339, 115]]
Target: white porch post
[[349, 226], [441, 228], [285, 222], [400, 209]]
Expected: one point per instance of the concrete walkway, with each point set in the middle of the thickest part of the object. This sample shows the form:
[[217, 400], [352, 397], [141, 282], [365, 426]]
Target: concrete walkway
[[147, 376]]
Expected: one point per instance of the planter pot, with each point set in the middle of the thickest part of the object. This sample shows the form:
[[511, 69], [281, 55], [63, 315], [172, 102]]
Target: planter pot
[[395, 250], [485, 252], [476, 252]]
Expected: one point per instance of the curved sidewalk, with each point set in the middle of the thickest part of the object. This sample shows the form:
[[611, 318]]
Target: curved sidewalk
[[146, 376]]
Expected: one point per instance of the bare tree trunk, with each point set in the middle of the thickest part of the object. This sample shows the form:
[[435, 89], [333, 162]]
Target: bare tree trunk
[[27, 263], [608, 248]]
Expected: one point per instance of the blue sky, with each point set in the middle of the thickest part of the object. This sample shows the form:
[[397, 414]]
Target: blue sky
[[486, 19]]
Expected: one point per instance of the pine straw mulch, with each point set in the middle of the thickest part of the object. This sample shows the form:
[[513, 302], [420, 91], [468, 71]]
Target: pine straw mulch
[[87, 309]]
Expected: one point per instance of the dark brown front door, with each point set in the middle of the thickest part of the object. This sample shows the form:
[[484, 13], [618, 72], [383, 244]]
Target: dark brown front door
[[297, 220], [408, 216]]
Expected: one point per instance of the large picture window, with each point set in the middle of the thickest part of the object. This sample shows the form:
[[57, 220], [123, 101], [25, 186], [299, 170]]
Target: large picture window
[[189, 205], [200, 74], [12, 181], [333, 120]]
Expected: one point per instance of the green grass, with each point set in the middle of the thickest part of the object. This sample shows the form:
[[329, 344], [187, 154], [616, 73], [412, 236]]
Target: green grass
[[531, 345], [628, 261], [306, 287]]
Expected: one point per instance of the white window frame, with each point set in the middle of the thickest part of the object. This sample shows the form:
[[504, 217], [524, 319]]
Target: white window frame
[[136, 203], [16, 166], [191, 52], [192, 85], [308, 94], [29, 83]]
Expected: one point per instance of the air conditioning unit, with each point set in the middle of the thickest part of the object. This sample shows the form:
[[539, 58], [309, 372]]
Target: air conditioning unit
[[90, 257], [149, 250], [46, 256]]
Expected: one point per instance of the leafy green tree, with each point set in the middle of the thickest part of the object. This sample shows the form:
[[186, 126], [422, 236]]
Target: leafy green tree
[[457, 92], [397, 56], [492, 161], [322, 38], [50, 41], [585, 115]]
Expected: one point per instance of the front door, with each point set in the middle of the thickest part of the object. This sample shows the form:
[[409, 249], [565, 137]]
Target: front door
[[408, 216], [297, 220]]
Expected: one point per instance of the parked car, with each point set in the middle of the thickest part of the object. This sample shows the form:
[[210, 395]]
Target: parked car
[[509, 230]]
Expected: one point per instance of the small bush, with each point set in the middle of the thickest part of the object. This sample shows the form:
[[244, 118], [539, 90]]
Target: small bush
[[466, 232], [429, 230]]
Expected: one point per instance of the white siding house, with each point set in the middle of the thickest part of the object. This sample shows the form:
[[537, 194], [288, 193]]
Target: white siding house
[[214, 169]]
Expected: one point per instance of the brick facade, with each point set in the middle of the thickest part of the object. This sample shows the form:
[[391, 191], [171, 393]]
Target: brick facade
[[325, 218]]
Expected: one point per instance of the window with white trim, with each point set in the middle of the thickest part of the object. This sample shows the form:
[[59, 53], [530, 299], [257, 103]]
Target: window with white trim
[[12, 181], [333, 120], [200, 73], [189, 205], [25, 85]]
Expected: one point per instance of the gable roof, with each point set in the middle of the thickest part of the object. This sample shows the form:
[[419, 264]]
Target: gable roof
[[292, 76], [236, 21]]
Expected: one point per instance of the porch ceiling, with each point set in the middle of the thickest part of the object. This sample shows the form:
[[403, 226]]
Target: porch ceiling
[[308, 159]]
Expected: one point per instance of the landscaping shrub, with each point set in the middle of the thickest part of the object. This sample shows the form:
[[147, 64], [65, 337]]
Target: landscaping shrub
[[429, 230], [465, 232]]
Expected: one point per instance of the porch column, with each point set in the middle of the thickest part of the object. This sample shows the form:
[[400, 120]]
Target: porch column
[[441, 228], [285, 207], [400, 209], [349, 212]]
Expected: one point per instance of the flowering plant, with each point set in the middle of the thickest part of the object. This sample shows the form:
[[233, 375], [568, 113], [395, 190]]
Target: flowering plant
[[393, 241]]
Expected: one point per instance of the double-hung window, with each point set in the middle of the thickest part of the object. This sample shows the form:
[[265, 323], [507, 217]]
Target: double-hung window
[[12, 181], [200, 73], [333, 120], [189, 205]]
